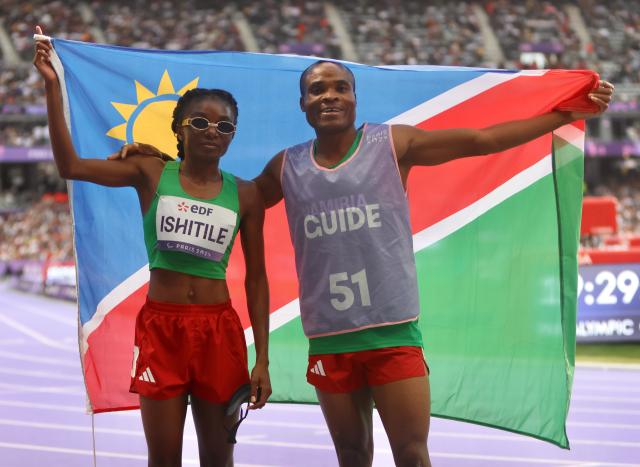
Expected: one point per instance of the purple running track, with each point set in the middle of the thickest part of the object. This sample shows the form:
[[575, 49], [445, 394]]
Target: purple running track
[[43, 420]]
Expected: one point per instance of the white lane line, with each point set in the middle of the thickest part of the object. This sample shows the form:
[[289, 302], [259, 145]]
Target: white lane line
[[446, 455], [83, 452], [26, 330], [513, 438], [605, 366], [88, 452], [71, 363], [321, 429], [526, 460], [626, 400], [378, 428], [325, 447], [64, 390], [18, 308], [66, 408], [67, 427], [278, 407], [622, 388], [609, 426], [12, 341], [40, 406], [574, 409], [111, 431], [313, 409], [40, 374]]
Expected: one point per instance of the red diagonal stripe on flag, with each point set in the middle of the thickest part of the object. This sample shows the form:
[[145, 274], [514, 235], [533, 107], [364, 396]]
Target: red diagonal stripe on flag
[[434, 192]]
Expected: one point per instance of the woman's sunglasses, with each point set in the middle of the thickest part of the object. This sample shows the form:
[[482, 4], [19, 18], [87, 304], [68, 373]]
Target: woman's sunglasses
[[200, 123]]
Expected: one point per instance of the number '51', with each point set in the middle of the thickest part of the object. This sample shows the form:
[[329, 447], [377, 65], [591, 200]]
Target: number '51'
[[341, 285]]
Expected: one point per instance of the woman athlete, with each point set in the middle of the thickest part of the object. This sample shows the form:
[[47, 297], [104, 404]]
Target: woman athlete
[[189, 341]]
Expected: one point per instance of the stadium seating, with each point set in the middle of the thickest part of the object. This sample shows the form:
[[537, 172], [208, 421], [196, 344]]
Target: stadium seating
[[604, 36]]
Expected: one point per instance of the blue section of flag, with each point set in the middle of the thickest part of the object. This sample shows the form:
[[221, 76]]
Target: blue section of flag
[[267, 90]]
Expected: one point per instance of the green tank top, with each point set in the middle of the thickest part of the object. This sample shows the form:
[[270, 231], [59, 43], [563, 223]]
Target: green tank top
[[191, 235]]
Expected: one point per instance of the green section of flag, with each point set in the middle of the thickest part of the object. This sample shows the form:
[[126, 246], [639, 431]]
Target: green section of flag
[[288, 358], [498, 312], [498, 309], [490, 303], [569, 176]]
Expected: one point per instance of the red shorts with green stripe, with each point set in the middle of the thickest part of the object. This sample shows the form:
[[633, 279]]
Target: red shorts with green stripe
[[350, 371], [188, 349]]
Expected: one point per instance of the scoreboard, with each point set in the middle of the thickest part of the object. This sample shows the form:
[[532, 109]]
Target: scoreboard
[[608, 303]]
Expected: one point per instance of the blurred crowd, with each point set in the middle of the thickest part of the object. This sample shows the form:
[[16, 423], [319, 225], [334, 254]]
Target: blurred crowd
[[604, 35], [24, 184], [19, 88], [291, 27], [161, 25], [40, 233], [615, 31], [415, 32], [542, 27], [627, 191], [530, 34], [24, 135]]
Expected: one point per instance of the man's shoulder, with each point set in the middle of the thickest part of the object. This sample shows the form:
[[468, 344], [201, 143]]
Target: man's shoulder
[[302, 144], [297, 150]]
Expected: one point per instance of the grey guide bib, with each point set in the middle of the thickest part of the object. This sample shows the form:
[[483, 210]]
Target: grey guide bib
[[352, 237]]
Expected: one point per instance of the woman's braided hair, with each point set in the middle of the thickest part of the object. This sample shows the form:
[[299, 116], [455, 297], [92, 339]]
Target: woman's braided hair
[[194, 95]]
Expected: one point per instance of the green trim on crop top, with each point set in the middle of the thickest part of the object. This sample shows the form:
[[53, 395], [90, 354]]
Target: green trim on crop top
[[196, 235]]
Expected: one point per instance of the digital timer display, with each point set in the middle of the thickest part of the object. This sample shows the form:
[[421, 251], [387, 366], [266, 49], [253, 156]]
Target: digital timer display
[[608, 303]]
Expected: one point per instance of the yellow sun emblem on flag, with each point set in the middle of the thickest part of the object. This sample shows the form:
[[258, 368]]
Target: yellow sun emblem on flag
[[149, 120]]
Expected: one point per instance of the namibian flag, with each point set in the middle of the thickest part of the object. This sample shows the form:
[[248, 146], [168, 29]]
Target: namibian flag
[[495, 237]]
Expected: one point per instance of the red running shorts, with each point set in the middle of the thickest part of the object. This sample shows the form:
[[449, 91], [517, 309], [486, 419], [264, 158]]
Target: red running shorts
[[348, 372], [194, 349]]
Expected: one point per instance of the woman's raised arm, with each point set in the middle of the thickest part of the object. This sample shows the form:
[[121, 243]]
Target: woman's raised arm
[[127, 172]]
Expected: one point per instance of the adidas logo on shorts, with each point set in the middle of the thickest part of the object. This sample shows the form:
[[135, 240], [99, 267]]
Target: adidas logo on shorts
[[147, 376], [318, 369]]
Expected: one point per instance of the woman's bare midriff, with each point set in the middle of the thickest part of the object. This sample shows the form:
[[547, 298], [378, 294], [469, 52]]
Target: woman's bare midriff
[[177, 287]]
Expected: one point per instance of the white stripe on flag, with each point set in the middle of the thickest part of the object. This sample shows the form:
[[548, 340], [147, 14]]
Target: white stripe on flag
[[278, 318], [571, 134], [457, 95], [111, 300], [456, 221]]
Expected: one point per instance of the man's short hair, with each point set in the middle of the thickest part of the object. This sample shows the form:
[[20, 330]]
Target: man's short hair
[[310, 68]]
